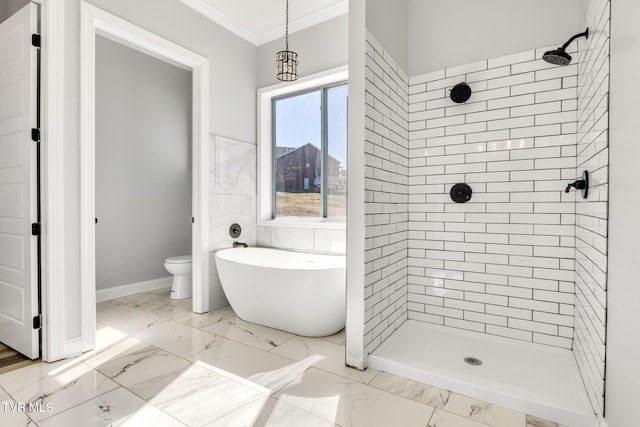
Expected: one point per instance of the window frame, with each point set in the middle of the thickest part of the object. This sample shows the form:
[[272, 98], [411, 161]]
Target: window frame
[[324, 145], [266, 147]]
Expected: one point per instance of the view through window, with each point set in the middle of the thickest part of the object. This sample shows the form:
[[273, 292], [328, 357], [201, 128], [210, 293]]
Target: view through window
[[310, 153]]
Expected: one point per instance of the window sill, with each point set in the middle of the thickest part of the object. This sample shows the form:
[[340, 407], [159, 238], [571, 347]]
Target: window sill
[[304, 223]]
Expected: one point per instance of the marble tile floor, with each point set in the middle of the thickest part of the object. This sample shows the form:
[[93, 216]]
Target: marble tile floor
[[158, 364]]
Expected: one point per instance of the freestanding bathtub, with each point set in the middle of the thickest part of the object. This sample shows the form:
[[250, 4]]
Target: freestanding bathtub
[[301, 293]]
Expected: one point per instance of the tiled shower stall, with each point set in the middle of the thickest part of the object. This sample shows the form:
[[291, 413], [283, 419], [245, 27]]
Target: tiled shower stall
[[522, 259]]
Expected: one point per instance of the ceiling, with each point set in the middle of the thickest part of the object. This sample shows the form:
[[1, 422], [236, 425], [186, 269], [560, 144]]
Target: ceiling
[[261, 21]]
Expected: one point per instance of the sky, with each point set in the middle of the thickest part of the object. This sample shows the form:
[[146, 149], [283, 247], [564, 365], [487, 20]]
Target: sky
[[298, 121]]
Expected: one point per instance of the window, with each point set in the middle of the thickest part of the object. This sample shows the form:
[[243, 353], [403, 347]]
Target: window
[[309, 153]]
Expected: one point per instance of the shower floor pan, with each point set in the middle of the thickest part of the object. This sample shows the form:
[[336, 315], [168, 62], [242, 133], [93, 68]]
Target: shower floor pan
[[535, 379]]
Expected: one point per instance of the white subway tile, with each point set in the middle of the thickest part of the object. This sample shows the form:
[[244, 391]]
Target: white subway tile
[[555, 72], [445, 121], [509, 270], [515, 58], [554, 341], [486, 238], [510, 228], [511, 101], [487, 157], [513, 80], [553, 296], [486, 298], [531, 283], [518, 122], [487, 258], [525, 67], [509, 333], [510, 165], [510, 291], [534, 261], [427, 77], [491, 73], [485, 318], [447, 82], [467, 128], [545, 119], [490, 94], [518, 218], [467, 68], [487, 115], [487, 136], [533, 326], [527, 132], [529, 110], [546, 85], [555, 319], [463, 324], [466, 108], [556, 95]]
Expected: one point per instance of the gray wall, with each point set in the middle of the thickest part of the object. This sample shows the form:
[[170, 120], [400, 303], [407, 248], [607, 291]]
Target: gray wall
[[445, 33], [143, 164], [320, 48], [387, 21], [9, 7], [623, 316]]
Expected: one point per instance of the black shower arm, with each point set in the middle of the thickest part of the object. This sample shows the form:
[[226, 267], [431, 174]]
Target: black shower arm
[[585, 34]]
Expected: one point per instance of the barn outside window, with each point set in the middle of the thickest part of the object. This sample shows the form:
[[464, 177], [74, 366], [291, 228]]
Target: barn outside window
[[309, 153]]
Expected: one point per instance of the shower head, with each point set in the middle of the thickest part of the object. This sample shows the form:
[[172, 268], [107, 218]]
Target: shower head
[[559, 56]]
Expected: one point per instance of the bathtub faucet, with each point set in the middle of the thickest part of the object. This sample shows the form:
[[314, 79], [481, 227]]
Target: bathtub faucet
[[240, 245]]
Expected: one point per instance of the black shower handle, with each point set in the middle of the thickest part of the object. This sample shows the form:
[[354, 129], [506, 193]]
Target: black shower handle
[[579, 184]]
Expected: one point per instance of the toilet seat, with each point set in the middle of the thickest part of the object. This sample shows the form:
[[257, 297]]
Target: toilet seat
[[184, 259]]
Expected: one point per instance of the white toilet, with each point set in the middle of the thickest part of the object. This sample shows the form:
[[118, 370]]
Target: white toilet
[[180, 267]]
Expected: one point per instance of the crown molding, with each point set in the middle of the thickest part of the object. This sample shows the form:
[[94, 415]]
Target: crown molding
[[204, 8]]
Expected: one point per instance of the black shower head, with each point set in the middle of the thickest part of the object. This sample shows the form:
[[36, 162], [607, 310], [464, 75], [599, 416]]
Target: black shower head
[[559, 56]]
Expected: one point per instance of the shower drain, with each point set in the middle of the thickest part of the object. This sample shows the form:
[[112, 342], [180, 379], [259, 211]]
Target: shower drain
[[474, 361]]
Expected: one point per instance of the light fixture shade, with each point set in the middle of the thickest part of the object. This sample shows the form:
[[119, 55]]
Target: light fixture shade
[[287, 65]]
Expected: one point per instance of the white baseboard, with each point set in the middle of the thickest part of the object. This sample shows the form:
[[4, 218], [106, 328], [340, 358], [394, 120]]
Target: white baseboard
[[133, 288]]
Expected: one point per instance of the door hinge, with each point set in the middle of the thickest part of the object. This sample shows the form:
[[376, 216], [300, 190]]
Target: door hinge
[[35, 134], [35, 40], [37, 321], [35, 229]]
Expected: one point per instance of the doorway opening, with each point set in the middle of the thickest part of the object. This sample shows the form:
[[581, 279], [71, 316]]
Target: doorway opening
[[96, 22], [143, 171]]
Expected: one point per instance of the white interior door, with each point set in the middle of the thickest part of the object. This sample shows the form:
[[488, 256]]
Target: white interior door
[[18, 248]]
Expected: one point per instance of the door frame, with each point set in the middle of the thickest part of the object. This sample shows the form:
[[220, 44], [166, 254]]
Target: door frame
[[95, 21]]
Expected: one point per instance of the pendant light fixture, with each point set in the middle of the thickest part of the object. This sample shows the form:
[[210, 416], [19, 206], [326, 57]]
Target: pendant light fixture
[[287, 60]]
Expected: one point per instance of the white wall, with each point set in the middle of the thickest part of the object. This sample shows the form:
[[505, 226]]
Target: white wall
[[143, 164], [387, 20], [233, 65], [445, 33], [321, 47], [623, 315]]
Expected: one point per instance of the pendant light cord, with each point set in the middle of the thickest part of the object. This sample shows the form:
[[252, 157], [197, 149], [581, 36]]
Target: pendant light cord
[[287, 27]]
